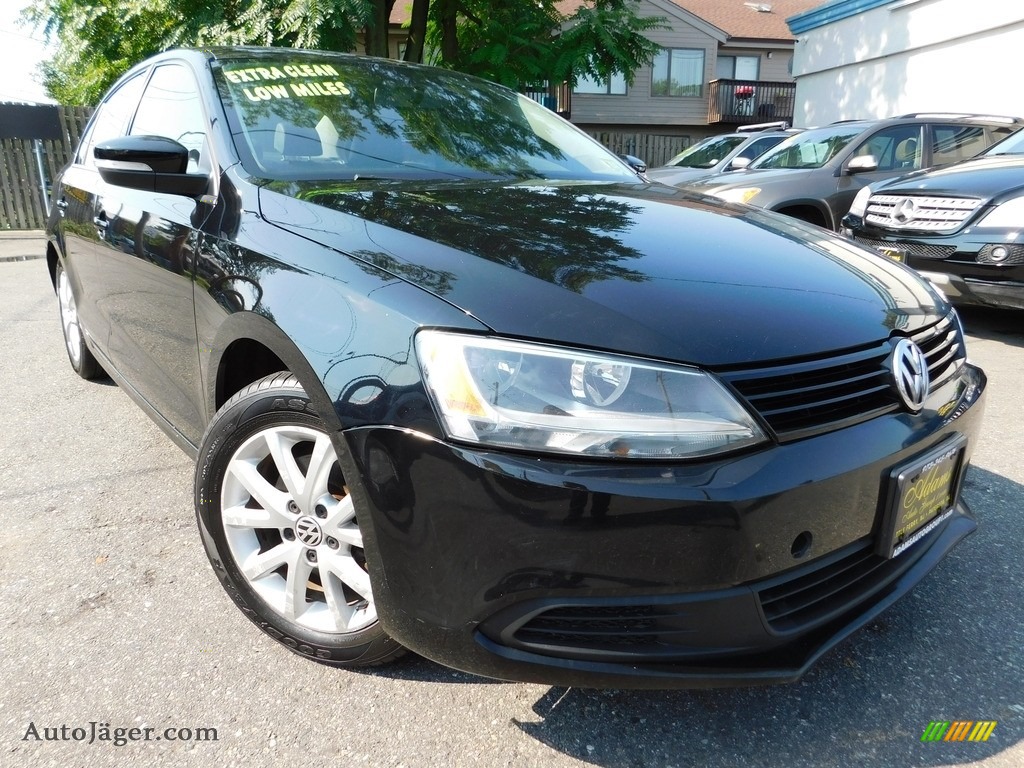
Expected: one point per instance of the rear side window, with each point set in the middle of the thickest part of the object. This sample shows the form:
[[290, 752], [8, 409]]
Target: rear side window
[[112, 118], [952, 143]]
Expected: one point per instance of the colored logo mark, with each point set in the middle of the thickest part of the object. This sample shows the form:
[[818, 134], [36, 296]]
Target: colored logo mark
[[958, 730]]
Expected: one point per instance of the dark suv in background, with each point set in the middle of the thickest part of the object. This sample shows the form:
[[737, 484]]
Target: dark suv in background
[[961, 226], [815, 175]]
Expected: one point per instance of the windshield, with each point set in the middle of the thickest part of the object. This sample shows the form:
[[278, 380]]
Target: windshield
[[297, 115], [707, 153], [810, 149], [1011, 145]]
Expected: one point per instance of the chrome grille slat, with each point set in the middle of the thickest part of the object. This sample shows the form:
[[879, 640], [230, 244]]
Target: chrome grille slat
[[918, 212]]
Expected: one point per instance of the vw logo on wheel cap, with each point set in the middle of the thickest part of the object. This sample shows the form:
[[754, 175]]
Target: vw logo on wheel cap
[[307, 530], [910, 372]]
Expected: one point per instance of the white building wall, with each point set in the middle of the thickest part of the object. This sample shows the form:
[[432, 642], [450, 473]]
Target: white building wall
[[912, 56]]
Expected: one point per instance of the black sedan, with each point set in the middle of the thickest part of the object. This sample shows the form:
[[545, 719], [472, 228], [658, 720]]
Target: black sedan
[[457, 380]]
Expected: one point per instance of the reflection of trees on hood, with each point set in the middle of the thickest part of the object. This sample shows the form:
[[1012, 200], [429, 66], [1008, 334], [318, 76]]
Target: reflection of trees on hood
[[461, 119], [567, 236]]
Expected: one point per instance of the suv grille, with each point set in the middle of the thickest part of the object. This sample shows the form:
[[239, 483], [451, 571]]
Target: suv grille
[[929, 214], [921, 250], [824, 394]]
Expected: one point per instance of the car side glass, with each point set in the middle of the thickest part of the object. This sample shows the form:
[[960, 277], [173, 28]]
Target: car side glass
[[896, 148], [171, 108], [953, 143], [111, 119]]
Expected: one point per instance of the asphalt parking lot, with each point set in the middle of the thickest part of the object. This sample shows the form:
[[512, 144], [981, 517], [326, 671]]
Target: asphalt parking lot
[[110, 615]]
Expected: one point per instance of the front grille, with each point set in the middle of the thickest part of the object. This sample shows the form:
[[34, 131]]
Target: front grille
[[926, 214], [920, 250], [815, 595], [819, 395]]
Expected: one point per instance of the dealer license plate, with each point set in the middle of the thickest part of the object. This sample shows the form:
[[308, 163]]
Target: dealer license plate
[[922, 496], [896, 254]]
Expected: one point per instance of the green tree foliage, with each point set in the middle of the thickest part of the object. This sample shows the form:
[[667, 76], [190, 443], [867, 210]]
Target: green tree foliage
[[529, 42], [516, 42]]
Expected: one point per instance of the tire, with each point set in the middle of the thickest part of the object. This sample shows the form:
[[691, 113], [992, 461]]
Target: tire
[[82, 360], [280, 528]]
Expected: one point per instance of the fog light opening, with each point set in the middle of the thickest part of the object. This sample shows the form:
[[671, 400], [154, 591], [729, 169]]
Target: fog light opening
[[801, 544], [999, 253]]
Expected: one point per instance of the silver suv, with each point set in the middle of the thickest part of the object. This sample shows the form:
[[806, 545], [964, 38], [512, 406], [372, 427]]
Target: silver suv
[[815, 175], [722, 153]]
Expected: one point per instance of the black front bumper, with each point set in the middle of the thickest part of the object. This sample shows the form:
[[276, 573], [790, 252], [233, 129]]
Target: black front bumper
[[741, 570], [958, 264]]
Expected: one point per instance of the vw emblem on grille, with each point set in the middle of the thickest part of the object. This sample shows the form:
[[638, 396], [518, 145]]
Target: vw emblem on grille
[[307, 530], [905, 210], [910, 372]]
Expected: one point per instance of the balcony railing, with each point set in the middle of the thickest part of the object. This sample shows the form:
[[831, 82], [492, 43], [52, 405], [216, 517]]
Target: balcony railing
[[557, 97], [744, 102]]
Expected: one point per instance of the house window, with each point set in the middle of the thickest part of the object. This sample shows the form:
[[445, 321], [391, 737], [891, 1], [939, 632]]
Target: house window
[[738, 67], [678, 72], [616, 86]]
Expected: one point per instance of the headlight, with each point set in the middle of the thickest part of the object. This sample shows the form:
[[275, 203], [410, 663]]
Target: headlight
[[738, 195], [1008, 215], [860, 202], [512, 394]]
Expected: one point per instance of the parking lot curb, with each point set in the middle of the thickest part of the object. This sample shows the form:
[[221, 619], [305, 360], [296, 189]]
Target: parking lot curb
[[22, 245]]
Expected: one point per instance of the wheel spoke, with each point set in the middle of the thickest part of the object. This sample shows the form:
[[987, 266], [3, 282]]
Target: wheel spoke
[[259, 564], [241, 516], [350, 573], [341, 612], [295, 586], [266, 495], [321, 462], [280, 445]]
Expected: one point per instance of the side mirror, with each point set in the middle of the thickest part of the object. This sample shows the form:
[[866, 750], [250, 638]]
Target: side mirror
[[635, 163], [739, 163], [862, 164], [149, 164]]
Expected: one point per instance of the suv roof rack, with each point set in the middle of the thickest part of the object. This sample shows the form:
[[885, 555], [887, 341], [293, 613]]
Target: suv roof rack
[[961, 116], [778, 125]]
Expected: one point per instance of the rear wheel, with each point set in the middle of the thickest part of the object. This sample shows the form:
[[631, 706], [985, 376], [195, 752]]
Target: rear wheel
[[281, 529], [82, 360]]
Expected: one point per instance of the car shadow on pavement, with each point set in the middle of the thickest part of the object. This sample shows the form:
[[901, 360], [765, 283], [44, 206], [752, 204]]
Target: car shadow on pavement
[[953, 650]]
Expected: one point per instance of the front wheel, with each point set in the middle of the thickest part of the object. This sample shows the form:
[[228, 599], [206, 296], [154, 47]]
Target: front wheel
[[82, 360], [281, 530]]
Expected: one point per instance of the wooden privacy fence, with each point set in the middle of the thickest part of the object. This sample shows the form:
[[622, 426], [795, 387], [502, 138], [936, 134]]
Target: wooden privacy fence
[[30, 159], [652, 148]]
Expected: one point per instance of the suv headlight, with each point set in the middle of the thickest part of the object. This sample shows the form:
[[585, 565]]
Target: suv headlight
[[1009, 215], [738, 195], [860, 202], [512, 394]]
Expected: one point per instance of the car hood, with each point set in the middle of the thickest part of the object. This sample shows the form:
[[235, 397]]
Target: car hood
[[674, 175], [985, 177], [643, 269], [750, 177]]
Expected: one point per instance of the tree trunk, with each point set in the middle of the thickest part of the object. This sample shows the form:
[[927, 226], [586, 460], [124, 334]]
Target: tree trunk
[[447, 12], [417, 31], [377, 32]]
